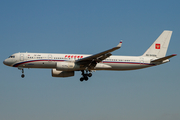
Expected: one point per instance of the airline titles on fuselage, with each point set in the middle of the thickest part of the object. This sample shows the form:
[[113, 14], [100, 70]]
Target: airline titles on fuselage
[[73, 56]]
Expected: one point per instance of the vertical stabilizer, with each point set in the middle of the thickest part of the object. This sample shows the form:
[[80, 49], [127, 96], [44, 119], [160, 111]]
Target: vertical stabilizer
[[159, 47]]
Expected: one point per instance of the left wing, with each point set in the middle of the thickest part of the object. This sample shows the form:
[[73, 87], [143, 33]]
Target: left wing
[[87, 61]]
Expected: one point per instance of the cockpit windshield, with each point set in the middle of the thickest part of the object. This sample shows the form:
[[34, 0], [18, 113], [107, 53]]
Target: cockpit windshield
[[12, 56]]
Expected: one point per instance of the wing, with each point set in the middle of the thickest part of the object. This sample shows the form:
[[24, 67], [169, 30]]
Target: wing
[[92, 60]]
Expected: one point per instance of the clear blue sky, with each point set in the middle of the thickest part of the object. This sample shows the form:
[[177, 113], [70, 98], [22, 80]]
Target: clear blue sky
[[88, 27]]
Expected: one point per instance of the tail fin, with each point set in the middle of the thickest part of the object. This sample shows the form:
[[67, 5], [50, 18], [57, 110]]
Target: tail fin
[[159, 47]]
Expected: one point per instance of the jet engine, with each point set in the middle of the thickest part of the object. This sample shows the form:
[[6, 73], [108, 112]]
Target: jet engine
[[67, 66], [56, 73]]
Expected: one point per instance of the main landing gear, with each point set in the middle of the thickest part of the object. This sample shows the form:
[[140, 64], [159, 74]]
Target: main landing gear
[[85, 76], [22, 72]]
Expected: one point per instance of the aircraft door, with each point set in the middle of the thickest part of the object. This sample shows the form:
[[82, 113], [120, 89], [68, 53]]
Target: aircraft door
[[49, 58], [142, 60], [21, 57]]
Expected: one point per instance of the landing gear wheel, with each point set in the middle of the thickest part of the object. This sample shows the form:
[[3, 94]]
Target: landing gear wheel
[[86, 78], [22, 75], [81, 79], [90, 74]]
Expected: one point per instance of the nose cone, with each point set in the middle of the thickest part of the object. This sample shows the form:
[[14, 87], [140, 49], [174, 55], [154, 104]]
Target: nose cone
[[7, 62]]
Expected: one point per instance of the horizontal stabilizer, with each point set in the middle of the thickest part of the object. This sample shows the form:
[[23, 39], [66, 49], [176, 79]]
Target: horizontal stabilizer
[[163, 58]]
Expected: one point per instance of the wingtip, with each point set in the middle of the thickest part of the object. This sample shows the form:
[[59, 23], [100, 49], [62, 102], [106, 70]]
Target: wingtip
[[174, 54], [120, 43]]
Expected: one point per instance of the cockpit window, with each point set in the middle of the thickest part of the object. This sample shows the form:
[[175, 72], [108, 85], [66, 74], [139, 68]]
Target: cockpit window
[[12, 56]]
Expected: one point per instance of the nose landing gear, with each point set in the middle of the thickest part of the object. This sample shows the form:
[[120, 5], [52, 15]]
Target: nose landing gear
[[85, 75], [22, 72]]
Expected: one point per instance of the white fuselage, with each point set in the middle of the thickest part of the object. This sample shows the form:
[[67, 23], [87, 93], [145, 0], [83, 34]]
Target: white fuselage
[[47, 60]]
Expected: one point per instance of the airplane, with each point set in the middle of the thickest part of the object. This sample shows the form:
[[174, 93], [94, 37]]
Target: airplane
[[64, 65]]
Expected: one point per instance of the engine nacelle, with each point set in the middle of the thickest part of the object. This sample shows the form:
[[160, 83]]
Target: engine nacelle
[[67, 66], [56, 73]]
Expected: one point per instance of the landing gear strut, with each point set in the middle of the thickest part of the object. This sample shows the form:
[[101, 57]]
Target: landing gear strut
[[85, 76]]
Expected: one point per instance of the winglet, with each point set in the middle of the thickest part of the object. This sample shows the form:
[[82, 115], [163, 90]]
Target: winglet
[[174, 54], [119, 45]]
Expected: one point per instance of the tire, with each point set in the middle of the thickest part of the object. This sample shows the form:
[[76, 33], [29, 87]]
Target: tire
[[90, 74], [81, 79], [86, 78], [22, 75]]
